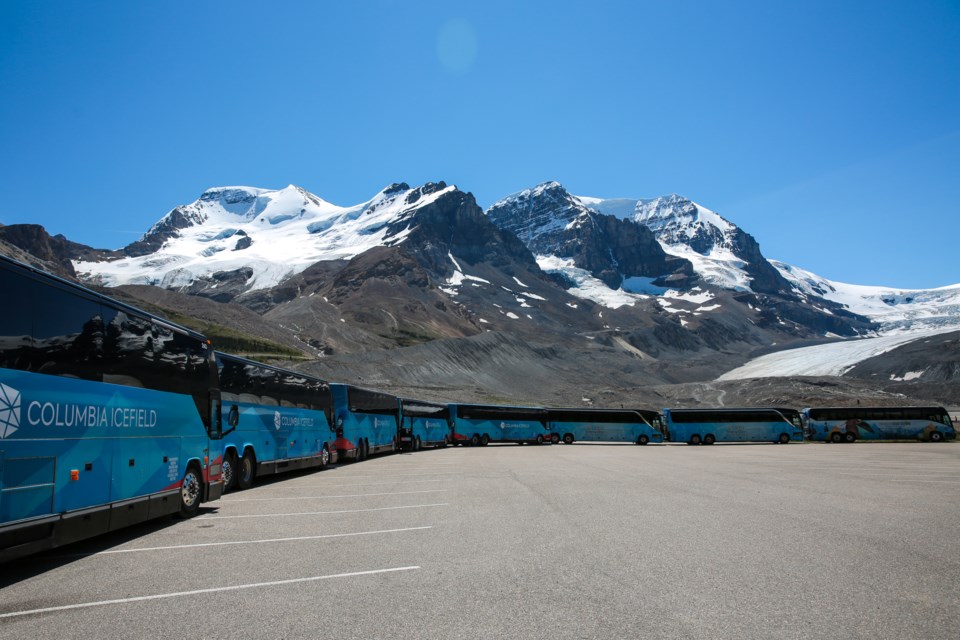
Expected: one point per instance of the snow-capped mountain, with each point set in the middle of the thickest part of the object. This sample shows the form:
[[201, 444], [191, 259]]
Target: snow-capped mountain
[[618, 252], [722, 254], [263, 235], [585, 246]]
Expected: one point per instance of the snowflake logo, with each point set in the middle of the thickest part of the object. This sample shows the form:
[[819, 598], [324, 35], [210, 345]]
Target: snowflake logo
[[276, 419], [9, 411]]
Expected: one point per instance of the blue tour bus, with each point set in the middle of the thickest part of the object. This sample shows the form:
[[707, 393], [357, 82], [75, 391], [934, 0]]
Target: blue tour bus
[[480, 424], [277, 420], [367, 422], [423, 424], [605, 425], [106, 414], [849, 424], [706, 426]]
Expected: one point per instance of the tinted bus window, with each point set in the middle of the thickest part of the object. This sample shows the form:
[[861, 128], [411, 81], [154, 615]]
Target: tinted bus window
[[67, 334], [16, 330]]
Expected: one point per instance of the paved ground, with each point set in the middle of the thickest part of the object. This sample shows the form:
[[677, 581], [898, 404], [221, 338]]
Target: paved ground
[[581, 541]]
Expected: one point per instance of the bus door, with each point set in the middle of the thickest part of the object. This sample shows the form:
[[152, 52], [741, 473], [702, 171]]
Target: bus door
[[406, 432]]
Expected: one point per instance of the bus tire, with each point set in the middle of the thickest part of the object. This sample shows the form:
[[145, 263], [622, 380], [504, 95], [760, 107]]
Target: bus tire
[[540, 439], [228, 470], [568, 438], [555, 438], [324, 457], [849, 437], [643, 440], [695, 439], [936, 436], [475, 440], [709, 439], [190, 490], [246, 470], [836, 437], [418, 445], [484, 440], [784, 438]]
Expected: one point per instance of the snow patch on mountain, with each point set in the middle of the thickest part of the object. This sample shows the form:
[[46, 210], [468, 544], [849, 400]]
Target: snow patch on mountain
[[585, 286], [275, 233]]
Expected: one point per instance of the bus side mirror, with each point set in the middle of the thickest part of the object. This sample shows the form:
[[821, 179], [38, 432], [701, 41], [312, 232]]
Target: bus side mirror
[[233, 419]]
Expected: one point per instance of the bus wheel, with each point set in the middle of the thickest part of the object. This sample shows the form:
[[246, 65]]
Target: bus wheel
[[190, 492], [245, 470], [324, 457], [475, 440], [849, 437], [555, 438], [484, 440], [836, 437], [540, 439], [784, 438], [936, 436], [229, 470], [417, 445], [709, 438], [643, 440], [695, 439], [568, 438]]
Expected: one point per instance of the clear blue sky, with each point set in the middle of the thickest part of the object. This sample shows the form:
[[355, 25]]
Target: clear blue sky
[[828, 130]]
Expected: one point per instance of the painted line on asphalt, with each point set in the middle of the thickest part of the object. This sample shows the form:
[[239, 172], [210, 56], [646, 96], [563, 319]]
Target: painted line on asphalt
[[358, 484], [223, 501], [403, 475], [269, 540], [895, 475], [180, 594], [318, 513]]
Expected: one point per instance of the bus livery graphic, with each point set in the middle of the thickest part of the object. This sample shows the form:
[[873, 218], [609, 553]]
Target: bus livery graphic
[[9, 411]]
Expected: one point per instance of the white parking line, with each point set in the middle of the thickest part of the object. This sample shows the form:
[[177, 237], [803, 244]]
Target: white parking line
[[401, 475], [223, 501], [896, 475], [160, 596], [318, 513], [235, 542], [358, 484]]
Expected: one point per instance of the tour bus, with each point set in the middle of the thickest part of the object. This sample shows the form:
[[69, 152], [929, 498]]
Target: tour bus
[[277, 421], [423, 424], [479, 424], [367, 421], [849, 424], [706, 426], [106, 414], [605, 425]]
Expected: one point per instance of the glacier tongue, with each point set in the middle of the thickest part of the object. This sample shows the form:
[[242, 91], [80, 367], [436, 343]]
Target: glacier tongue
[[897, 310]]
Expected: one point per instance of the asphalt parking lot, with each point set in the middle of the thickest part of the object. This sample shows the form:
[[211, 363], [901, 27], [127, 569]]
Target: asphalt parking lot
[[580, 541]]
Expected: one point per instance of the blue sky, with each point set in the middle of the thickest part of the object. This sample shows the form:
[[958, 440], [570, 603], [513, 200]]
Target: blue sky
[[828, 130]]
